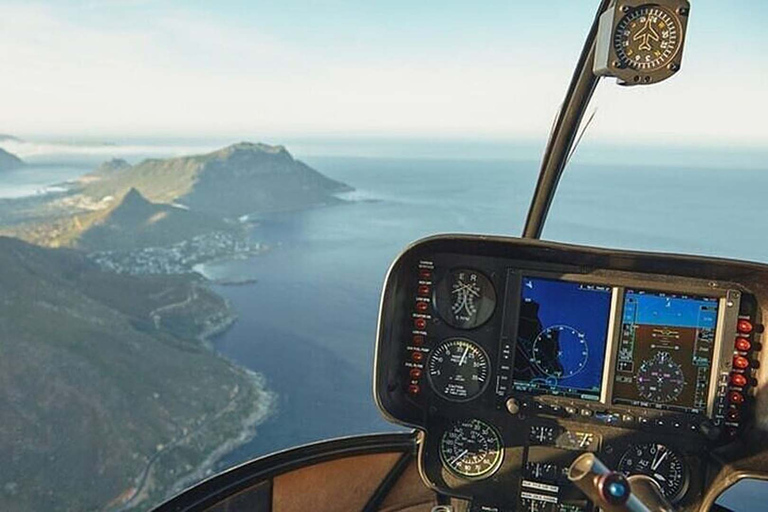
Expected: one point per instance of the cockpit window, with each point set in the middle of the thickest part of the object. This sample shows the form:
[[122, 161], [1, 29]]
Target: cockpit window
[[199, 203]]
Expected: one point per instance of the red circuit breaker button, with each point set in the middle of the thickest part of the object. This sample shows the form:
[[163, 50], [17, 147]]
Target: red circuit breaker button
[[417, 357], [420, 323], [414, 389], [425, 274], [743, 344], [740, 362], [732, 415], [744, 326], [418, 340], [415, 373], [735, 397], [422, 306], [738, 380], [423, 290]]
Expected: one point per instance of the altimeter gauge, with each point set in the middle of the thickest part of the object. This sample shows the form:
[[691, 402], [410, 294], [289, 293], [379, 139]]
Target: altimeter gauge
[[471, 449], [458, 369], [661, 463], [641, 42], [465, 298]]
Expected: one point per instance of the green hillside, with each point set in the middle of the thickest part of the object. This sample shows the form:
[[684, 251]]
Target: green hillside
[[102, 380], [237, 180], [135, 223]]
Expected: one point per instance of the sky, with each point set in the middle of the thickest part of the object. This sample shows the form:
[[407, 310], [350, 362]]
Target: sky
[[350, 68]]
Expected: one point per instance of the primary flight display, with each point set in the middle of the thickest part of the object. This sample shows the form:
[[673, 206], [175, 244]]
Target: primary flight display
[[665, 350]]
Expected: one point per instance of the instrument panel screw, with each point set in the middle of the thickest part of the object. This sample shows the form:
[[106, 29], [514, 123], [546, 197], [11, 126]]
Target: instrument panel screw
[[682, 11], [617, 64], [624, 8], [673, 66]]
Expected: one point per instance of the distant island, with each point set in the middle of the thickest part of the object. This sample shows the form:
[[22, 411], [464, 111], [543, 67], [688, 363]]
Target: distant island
[[9, 161], [100, 293]]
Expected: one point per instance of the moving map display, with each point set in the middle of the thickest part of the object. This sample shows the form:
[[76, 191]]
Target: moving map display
[[561, 339], [665, 350]]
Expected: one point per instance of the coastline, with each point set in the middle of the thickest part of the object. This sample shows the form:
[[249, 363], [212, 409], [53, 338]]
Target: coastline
[[255, 397], [263, 410]]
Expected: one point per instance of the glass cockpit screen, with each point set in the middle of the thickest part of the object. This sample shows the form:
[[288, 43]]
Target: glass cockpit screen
[[561, 339], [665, 351]]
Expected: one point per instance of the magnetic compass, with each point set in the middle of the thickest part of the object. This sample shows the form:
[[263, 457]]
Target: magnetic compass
[[640, 42], [465, 298]]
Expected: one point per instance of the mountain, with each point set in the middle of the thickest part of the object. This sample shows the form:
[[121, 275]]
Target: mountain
[[111, 167], [102, 380], [237, 180], [136, 223], [9, 161], [5, 137]]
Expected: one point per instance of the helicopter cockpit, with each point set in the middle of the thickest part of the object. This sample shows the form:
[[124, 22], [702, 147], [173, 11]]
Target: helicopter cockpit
[[513, 359]]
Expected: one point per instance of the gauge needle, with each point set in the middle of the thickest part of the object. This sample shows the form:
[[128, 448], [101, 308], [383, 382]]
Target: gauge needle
[[458, 457], [656, 462], [463, 356], [659, 477]]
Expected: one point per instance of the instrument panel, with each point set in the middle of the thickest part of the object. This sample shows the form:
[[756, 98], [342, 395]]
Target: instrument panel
[[514, 357]]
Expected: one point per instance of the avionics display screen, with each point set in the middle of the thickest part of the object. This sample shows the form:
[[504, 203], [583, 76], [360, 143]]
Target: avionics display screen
[[561, 338], [665, 350]]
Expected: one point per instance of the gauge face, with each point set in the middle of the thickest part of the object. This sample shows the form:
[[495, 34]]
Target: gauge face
[[660, 379], [471, 449], [573, 440], [659, 462], [542, 434], [543, 471], [560, 351], [465, 298], [458, 370], [647, 38]]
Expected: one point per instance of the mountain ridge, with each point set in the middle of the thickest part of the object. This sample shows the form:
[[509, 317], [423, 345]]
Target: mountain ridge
[[9, 161], [239, 179], [134, 223]]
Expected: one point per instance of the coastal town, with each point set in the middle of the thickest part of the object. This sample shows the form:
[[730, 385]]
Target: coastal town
[[178, 258]]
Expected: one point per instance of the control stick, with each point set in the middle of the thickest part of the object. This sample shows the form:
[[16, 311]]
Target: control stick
[[612, 491]]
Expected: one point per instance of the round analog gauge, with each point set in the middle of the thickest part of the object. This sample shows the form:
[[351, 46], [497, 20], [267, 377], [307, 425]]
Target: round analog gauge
[[458, 369], [471, 449], [659, 462], [560, 351], [465, 298], [647, 38], [660, 379]]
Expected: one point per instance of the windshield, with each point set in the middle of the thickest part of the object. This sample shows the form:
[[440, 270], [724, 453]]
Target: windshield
[[199, 203]]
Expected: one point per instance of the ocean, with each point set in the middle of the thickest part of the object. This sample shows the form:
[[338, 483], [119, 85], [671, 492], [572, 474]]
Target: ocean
[[308, 322]]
